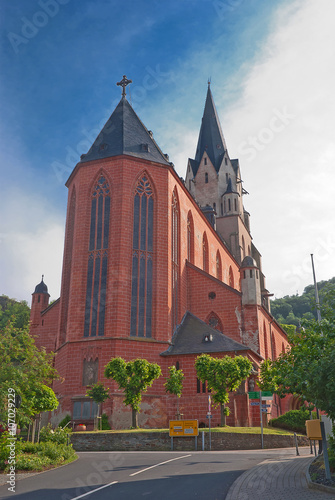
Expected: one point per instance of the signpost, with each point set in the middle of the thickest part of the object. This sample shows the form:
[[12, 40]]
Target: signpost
[[183, 428], [209, 416], [267, 395]]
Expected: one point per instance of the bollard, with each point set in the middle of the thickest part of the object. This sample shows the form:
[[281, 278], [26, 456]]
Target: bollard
[[203, 441], [296, 444]]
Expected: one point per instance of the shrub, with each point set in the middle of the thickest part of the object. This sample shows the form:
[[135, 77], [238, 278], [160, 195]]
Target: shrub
[[59, 435], [293, 420], [104, 422], [31, 462], [65, 421]]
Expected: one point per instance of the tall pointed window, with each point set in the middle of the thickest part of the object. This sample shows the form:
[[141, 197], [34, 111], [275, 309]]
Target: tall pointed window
[[69, 238], [218, 266], [205, 265], [142, 262], [97, 260], [214, 321], [190, 238], [175, 259], [231, 277]]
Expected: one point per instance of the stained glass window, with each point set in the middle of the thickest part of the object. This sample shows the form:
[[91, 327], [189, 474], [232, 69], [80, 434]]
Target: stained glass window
[[142, 260], [97, 259]]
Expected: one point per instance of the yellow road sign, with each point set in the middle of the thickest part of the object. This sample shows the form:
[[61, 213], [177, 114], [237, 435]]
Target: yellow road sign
[[183, 428]]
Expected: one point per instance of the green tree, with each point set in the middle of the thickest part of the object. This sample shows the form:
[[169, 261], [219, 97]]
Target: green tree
[[134, 377], [10, 309], [41, 398], [25, 370], [174, 384], [223, 375], [308, 368], [99, 394]]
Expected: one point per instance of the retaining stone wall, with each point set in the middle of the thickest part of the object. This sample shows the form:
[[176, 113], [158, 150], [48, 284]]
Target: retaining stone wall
[[156, 441]]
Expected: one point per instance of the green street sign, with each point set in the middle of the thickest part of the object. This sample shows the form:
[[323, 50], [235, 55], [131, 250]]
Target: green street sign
[[255, 394]]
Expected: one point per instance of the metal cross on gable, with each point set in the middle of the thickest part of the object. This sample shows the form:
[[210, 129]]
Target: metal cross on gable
[[123, 83]]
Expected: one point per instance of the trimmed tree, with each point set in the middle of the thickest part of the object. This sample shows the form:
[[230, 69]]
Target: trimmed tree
[[42, 398], [99, 395], [223, 375], [134, 377], [174, 384], [27, 371]]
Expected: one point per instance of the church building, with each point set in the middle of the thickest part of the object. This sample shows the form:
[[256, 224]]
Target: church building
[[156, 267]]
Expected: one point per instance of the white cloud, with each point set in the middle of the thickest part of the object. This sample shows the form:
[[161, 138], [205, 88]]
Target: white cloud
[[281, 127], [31, 244]]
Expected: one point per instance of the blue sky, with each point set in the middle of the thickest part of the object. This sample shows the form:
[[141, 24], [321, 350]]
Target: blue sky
[[272, 70]]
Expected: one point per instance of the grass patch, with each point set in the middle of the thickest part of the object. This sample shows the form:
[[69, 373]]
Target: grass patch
[[235, 430]]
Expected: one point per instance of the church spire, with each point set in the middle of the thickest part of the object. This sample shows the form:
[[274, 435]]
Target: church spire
[[125, 134], [211, 137]]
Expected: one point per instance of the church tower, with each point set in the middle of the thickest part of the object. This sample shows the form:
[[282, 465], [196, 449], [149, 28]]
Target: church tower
[[215, 180], [40, 301]]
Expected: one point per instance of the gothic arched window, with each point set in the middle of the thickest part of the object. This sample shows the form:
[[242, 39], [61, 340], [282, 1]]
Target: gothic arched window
[[218, 266], [266, 346], [273, 347], [214, 321], [231, 277], [190, 238], [205, 265], [97, 259], [175, 259], [69, 238], [142, 260]]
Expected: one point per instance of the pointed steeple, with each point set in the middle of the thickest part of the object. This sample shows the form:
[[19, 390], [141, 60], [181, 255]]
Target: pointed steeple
[[211, 137], [125, 134]]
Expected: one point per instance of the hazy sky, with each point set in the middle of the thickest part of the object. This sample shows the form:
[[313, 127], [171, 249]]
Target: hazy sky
[[271, 66]]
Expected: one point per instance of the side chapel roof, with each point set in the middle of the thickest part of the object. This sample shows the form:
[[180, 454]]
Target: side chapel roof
[[189, 338]]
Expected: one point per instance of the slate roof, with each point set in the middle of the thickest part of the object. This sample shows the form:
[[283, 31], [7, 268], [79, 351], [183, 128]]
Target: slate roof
[[229, 188], [125, 134], [189, 339], [41, 287], [235, 164], [211, 137]]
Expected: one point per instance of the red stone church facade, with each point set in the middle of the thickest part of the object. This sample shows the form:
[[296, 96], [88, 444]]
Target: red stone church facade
[[159, 268]]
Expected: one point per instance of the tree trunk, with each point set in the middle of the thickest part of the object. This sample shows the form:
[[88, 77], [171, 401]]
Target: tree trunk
[[38, 427], [223, 415], [33, 431], [134, 419]]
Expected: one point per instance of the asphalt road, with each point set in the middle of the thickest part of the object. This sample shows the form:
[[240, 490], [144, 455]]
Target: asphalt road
[[134, 475]]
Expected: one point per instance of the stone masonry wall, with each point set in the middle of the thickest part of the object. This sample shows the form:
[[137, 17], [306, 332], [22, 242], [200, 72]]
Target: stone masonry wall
[[160, 441]]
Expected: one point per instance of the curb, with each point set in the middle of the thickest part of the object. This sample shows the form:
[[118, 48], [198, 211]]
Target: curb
[[317, 486]]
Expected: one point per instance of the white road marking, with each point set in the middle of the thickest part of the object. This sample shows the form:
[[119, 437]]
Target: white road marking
[[157, 465], [93, 491]]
